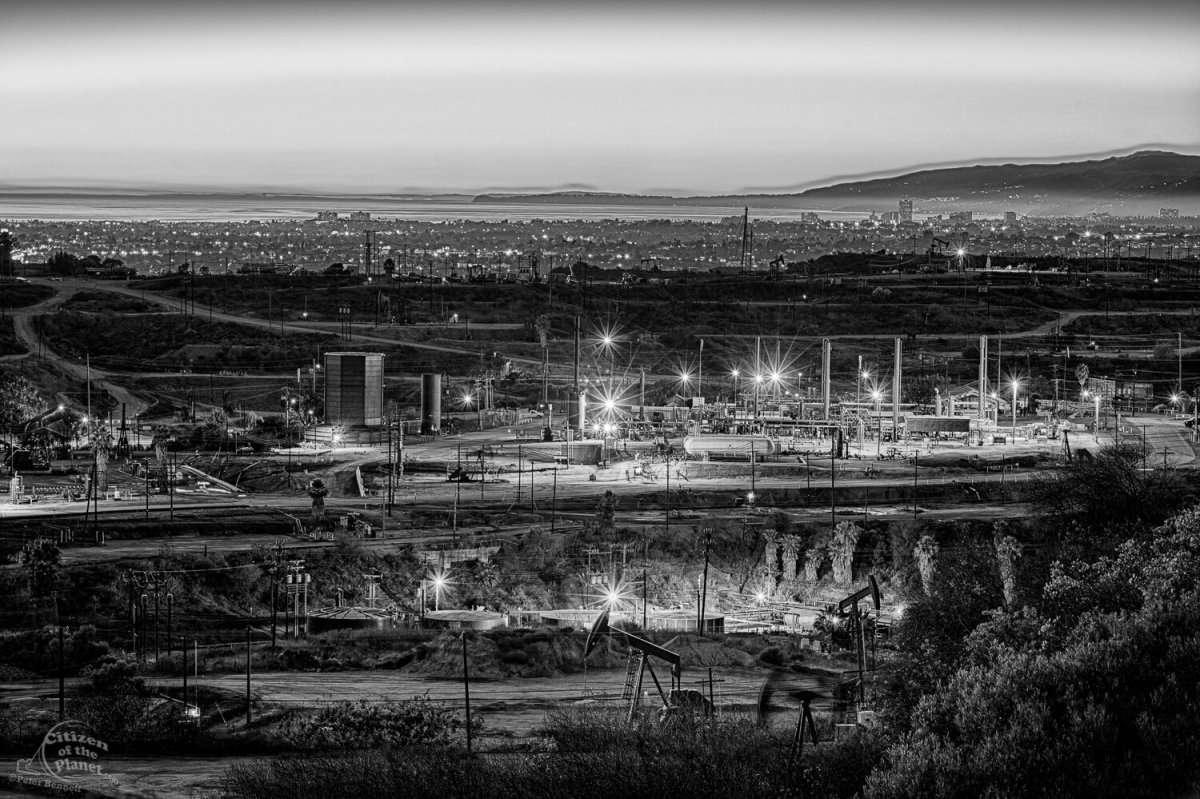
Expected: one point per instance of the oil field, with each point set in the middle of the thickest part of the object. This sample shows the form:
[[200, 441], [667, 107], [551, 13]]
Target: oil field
[[267, 514], [544, 400]]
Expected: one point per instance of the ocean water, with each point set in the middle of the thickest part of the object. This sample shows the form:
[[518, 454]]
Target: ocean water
[[232, 209]]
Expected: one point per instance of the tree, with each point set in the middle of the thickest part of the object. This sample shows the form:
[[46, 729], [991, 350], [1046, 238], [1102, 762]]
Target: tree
[[63, 263], [791, 551], [606, 511], [1007, 552], [40, 559], [19, 399], [7, 266], [845, 541], [1093, 694], [925, 554], [317, 491], [814, 558], [1097, 499]]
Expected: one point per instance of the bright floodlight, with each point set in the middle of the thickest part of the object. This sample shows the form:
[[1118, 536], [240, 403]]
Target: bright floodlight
[[439, 580], [960, 252], [875, 395], [735, 374], [760, 596], [775, 376], [1174, 398], [750, 496], [609, 405], [607, 341]]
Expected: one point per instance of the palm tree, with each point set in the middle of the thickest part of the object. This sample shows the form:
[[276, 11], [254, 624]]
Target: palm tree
[[845, 541], [1008, 549], [791, 551], [317, 491], [813, 560], [926, 553], [771, 554]]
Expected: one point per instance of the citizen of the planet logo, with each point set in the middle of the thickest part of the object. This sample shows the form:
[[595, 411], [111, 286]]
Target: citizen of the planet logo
[[68, 755]]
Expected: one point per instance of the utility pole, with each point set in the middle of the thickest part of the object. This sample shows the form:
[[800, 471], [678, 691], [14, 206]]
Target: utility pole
[[704, 589], [983, 360], [467, 691], [896, 382], [826, 358], [248, 719]]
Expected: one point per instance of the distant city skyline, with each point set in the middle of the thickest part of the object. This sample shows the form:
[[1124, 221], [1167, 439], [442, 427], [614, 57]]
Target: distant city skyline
[[661, 98]]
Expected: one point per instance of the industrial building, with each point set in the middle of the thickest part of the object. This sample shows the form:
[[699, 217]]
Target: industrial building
[[354, 389]]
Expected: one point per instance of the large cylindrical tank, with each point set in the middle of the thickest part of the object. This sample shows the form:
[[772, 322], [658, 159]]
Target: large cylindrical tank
[[431, 404], [739, 447], [354, 388], [347, 619]]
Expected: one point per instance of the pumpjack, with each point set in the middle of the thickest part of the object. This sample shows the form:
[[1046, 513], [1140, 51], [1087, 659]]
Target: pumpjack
[[640, 653], [858, 629]]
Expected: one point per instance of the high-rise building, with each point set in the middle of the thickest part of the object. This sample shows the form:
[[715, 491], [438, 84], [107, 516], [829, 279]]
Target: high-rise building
[[1010, 217], [906, 210], [1168, 213], [961, 217]]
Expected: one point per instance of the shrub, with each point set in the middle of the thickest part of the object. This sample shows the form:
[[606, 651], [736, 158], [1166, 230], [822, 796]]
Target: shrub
[[363, 725]]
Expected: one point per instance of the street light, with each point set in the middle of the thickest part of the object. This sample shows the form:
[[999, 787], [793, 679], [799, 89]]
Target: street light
[[1096, 424], [1015, 385], [877, 395], [735, 374], [439, 582]]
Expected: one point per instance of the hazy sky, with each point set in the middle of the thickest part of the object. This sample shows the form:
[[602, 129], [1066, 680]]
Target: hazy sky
[[670, 97]]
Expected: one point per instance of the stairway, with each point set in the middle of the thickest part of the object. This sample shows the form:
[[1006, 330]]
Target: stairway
[[633, 666]]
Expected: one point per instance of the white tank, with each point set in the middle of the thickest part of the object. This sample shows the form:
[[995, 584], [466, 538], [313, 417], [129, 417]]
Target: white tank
[[740, 447]]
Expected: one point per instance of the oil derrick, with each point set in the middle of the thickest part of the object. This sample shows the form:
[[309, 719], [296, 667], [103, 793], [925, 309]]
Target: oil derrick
[[123, 447], [746, 260], [368, 252]]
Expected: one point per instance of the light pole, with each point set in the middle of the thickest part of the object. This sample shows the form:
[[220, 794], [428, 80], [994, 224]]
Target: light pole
[[439, 581], [758, 378], [1096, 422], [1015, 385], [877, 395], [735, 374]]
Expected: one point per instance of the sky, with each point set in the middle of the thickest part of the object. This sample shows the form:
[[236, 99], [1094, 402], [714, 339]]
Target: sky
[[647, 97]]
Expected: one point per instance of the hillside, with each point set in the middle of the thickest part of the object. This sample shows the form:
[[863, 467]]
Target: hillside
[[1138, 183]]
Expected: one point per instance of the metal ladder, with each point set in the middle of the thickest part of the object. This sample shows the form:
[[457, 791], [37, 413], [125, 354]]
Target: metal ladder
[[631, 671]]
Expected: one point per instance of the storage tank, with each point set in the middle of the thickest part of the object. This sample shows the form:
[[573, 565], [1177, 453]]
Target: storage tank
[[739, 447], [354, 389], [431, 404], [343, 619]]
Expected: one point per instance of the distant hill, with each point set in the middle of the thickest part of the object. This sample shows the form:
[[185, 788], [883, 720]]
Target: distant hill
[[1136, 184]]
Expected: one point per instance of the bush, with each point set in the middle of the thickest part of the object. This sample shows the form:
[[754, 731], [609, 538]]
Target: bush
[[363, 725]]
